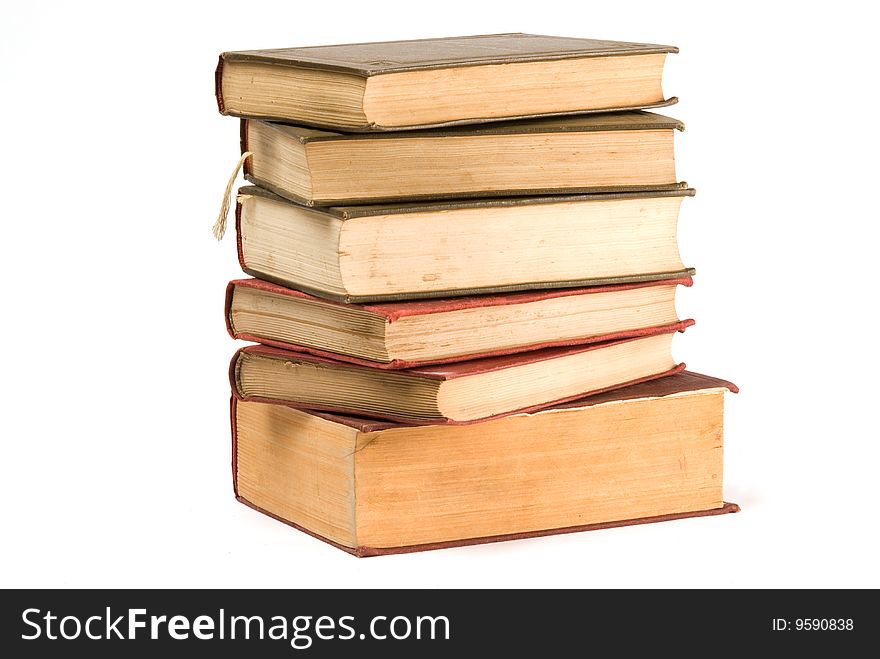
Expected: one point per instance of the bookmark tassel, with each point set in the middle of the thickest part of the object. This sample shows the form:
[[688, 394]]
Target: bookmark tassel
[[219, 228]]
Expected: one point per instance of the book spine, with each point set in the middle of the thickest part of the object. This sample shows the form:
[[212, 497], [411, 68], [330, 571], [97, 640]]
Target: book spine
[[227, 307], [233, 376], [238, 246], [218, 86], [233, 424], [243, 140]]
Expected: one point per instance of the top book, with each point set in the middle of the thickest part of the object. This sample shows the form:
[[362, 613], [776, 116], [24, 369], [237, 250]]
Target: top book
[[398, 85]]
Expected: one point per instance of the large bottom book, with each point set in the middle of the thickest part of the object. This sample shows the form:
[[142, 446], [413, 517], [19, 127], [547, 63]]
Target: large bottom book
[[648, 452]]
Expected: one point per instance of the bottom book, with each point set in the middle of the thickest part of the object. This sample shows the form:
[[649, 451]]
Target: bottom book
[[645, 453]]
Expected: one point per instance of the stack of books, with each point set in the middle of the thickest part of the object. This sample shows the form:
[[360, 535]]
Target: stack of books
[[465, 263]]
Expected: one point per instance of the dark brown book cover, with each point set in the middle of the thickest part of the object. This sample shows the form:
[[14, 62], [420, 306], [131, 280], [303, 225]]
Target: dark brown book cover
[[350, 212], [587, 123], [392, 311], [616, 121], [682, 382], [368, 210], [378, 58], [442, 372]]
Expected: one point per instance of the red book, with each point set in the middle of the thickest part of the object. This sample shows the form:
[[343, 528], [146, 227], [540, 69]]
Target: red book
[[459, 393], [398, 335]]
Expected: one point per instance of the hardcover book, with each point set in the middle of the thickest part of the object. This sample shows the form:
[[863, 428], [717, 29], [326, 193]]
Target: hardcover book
[[462, 392], [446, 249], [405, 334], [437, 82], [646, 453], [587, 153]]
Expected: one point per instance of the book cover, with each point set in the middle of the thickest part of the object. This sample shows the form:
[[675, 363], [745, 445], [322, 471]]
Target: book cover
[[441, 373], [362, 61]]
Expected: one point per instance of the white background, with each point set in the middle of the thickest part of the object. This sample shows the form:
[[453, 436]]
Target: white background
[[115, 439]]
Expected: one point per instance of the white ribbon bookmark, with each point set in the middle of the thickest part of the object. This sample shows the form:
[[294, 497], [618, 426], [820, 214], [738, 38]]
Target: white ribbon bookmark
[[219, 228]]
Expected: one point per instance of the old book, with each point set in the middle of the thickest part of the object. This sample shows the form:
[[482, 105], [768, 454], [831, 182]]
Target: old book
[[589, 153], [646, 453], [437, 82], [405, 334], [443, 249], [462, 392]]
